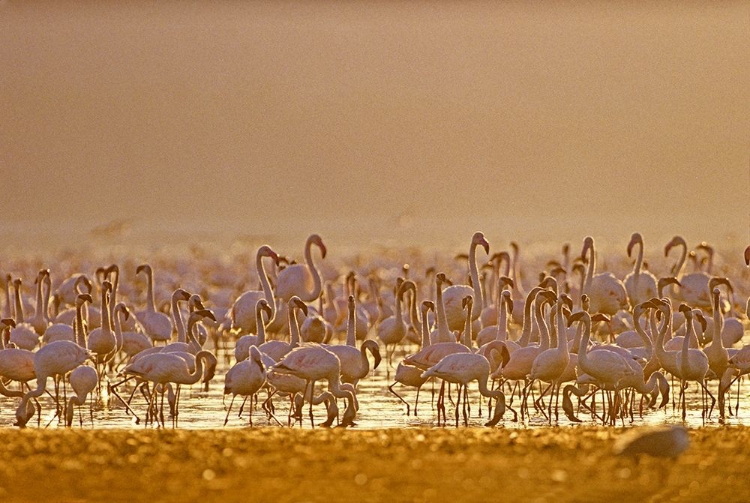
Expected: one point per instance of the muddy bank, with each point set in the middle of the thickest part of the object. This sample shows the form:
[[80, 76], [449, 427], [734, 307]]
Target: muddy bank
[[555, 464]]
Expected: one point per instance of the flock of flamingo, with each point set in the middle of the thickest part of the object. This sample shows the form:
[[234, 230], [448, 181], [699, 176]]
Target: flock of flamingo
[[611, 347]]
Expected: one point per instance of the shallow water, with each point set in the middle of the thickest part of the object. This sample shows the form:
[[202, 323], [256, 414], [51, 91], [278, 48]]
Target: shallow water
[[379, 409]]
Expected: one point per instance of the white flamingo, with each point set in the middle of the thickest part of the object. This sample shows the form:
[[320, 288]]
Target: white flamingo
[[243, 344], [23, 335], [277, 349], [408, 375], [313, 363], [243, 310], [83, 380], [640, 285], [453, 295], [392, 330], [694, 290], [302, 280], [354, 362], [606, 293], [245, 378], [155, 324]]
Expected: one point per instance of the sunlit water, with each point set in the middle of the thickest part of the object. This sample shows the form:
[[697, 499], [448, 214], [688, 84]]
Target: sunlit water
[[379, 408]]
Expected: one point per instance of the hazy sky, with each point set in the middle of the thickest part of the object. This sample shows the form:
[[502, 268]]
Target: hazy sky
[[526, 119]]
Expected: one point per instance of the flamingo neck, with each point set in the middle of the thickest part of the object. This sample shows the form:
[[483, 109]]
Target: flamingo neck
[[106, 320], [118, 332], [543, 331], [80, 333], [113, 294], [317, 283], [478, 296], [265, 285], [150, 299], [681, 261], [293, 328], [8, 303], [45, 298], [583, 359], [444, 333], [689, 332], [589, 270], [39, 314], [467, 330], [638, 262], [178, 323], [19, 304], [527, 320], [502, 321], [351, 332], [261, 327], [718, 325], [644, 336], [425, 330]]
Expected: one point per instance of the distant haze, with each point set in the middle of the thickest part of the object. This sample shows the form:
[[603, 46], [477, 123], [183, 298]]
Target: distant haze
[[400, 121]]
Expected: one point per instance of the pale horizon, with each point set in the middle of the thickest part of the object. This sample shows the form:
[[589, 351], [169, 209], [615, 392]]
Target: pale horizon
[[403, 123]]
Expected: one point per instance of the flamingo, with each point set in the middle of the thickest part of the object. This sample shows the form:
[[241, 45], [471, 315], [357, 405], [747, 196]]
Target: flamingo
[[607, 368], [463, 368], [83, 380], [550, 364], [640, 285], [243, 344], [23, 335], [393, 329], [312, 363], [354, 362], [409, 375], [694, 290], [453, 295], [165, 368], [155, 324], [245, 378], [55, 360], [301, 280], [693, 363], [15, 364], [243, 310], [102, 341], [277, 349], [606, 292]]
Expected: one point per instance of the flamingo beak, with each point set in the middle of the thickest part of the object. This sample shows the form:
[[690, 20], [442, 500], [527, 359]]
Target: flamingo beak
[[747, 255]]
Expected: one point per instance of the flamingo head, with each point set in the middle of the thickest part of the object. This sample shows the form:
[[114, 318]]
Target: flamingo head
[[635, 239], [350, 302], [266, 251], [428, 305], [547, 296], [82, 298], [479, 240], [566, 301], [196, 302], [677, 240], [585, 302], [505, 281], [441, 278], [318, 241], [713, 282], [143, 268], [180, 294], [467, 301], [747, 255], [588, 243], [295, 302], [506, 297], [203, 313], [122, 308], [577, 316], [9, 322]]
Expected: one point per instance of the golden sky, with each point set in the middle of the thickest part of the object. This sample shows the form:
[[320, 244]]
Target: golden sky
[[439, 118]]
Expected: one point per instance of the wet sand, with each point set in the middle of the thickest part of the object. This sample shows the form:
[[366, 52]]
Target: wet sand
[[473, 464]]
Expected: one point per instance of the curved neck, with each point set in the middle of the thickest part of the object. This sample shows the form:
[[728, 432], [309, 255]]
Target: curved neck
[[265, 285], [527, 320], [444, 333], [681, 261], [413, 316], [118, 331], [478, 296], [19, 304], [589, 270], [106, 320], [583, 349], [177, 317], [643, 335], [150, 299], [261, 327], [198, 373], [638, 261], [543, 332], [425, 330], [293, 327], [191, 341], [467, 329], [689, 332], [80, 333], [351, 332], [317, 284], [502, 320]]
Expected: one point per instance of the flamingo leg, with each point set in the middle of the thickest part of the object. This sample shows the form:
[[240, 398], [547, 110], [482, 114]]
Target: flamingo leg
[[390, 388], [226, 419]]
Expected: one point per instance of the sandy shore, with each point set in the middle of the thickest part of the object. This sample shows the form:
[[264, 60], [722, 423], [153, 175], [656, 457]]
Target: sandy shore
[[554, 465]]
